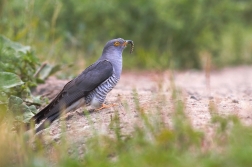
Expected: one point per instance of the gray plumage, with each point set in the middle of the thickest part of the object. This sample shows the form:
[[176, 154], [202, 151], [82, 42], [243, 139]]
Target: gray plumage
[[90, 88]]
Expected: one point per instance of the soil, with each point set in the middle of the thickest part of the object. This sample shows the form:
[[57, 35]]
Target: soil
[[228, 90]]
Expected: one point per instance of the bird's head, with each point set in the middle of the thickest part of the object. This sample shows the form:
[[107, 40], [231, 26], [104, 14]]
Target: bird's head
[[118, 45]]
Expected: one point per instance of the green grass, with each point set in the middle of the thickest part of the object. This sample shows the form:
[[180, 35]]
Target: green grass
[[149, 144]]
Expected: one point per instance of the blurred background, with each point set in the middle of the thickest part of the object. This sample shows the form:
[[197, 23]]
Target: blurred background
[[168, 34], [177, 34]]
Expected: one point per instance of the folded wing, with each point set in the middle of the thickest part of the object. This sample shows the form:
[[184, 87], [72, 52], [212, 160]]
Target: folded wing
[[76, 89]]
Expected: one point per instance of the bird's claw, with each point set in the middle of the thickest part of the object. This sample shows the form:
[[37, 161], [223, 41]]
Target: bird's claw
[[105, 106]]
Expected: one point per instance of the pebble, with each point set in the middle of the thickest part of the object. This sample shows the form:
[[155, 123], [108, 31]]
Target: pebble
[[56, 137], [193, 97], [235, 101], [210, 97]]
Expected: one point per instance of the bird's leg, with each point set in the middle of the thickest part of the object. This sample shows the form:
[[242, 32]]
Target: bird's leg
[[105, 106]]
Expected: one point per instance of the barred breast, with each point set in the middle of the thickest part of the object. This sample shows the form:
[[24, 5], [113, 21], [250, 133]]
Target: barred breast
[[97, 97]]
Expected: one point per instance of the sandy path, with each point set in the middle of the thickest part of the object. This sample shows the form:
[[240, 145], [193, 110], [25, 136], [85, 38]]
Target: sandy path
[[229, 89]]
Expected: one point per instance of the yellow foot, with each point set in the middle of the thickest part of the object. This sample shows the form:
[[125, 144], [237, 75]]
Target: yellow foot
[[105, 106]]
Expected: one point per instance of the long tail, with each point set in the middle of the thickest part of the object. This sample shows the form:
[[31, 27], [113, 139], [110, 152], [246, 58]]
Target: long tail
[[47, 122], [63, 103], [36, 119], [51, 113], [43, 115]]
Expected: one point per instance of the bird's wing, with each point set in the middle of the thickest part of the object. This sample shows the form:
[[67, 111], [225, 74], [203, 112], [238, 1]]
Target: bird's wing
[[77, 88]]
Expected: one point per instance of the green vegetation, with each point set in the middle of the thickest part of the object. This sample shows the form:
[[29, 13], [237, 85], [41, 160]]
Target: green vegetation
[[18, 76], [18, 66], [19, 60], [167, 33]]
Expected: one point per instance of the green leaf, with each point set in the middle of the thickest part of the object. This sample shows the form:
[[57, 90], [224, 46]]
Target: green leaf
[[15, 103], [44, 73], [3, 98], [48, 70], [14, 45], [27, 116], [9, 80], [20, 109], [55, 69], [33, 109]]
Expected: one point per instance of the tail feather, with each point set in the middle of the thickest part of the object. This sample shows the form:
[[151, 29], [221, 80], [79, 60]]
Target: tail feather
[[53, 111], [47, 122], [58, 105]]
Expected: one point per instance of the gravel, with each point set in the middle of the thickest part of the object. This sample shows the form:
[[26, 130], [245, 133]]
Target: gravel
[[229, 89]]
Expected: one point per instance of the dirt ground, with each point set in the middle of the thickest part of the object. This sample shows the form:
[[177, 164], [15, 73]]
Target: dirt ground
[[230, 89]]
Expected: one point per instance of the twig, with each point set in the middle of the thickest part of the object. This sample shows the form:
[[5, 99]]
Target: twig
[[40, 68]]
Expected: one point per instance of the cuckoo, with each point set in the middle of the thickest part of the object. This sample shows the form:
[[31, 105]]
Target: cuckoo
[[90, 88]]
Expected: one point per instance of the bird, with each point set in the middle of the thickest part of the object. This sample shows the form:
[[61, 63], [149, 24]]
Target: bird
[[89, 88]]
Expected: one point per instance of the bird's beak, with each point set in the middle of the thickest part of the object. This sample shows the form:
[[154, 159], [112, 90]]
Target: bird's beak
[[131, 43], [127, 41]]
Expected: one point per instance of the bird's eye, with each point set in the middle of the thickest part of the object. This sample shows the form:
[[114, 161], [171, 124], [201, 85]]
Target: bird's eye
[[116, 43]]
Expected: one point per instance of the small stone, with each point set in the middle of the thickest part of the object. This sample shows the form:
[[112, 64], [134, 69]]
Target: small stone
[[235, 101], [56, 137], [210, 97], [194, 97]]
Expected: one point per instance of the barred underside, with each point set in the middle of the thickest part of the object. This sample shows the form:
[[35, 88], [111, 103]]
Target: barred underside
[[102, 90]]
